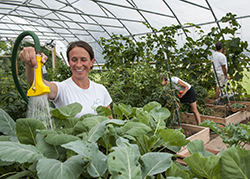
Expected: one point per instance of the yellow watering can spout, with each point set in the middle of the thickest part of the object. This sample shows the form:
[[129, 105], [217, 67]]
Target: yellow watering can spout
[[38, 88]]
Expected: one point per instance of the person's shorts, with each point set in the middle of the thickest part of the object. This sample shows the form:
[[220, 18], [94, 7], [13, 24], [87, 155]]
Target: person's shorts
[[222, 80], [189, 97]]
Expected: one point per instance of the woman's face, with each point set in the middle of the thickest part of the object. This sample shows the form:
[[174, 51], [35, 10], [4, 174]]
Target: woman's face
[[80, 63]]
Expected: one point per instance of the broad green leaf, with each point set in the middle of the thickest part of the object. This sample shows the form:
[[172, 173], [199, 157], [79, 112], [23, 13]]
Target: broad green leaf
[[176, 170], [70, 122], [7, 124], [67, 111], [145, 143], [4, 163], [154, 163], [143, 116], [96, 132], [197, 146], [123, 161], [26, 130], [79, 128], [116, 111], [135, 128], [116, 121], [159, 176], [207, 167], [234, 163], [174, 137], [21, 153], [151, 105], [53, 138], [48, 150], [160, 114], [126, 110], [51, 168], [90, 122], [4, 138], [97, 160], [103, 111], [133, 112], [24, 173]]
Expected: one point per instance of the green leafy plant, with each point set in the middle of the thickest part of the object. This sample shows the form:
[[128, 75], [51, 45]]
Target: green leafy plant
[[191, 62], [237, 105], [91, 145], [233, 134], [95, 146], [230, 163]]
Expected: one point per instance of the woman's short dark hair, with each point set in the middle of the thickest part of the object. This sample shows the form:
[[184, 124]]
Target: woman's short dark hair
[[82, 44], [218, 46]]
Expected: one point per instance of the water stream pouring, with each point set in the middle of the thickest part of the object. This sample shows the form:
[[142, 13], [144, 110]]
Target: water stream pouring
[[38, 87]]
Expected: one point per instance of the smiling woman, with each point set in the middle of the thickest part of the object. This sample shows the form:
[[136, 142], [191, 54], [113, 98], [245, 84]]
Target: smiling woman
[[78, 88]]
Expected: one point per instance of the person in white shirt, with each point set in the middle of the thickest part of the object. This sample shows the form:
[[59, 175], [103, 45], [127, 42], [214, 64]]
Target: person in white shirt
[[220, 65], [188, 94], [78, 88]]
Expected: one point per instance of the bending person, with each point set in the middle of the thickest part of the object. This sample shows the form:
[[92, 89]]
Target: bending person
[[188, 95], [78, 88]]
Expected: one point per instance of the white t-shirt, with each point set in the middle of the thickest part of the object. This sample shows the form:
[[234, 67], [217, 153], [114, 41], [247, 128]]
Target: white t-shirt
[[90, 99], [219, 59], [175, 79]]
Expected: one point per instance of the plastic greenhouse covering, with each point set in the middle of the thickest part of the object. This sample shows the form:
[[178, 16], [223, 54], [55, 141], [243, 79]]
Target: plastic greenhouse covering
[[64, 21]]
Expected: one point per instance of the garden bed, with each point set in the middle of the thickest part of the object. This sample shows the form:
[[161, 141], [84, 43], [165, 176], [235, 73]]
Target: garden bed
[[218, 114], [237, 117], [199, 132], [210, 102]]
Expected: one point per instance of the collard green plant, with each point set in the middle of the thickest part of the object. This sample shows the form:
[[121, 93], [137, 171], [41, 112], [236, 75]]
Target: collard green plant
[[95, 146], [231, 163], [86, 146], [233, 134]]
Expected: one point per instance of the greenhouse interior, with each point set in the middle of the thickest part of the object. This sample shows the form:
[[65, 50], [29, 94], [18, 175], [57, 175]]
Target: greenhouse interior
[[126, 89]]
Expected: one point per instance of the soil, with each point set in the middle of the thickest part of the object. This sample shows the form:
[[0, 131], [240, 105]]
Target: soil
[[213, 135], [188, 132], [215, 113], [245, 121]]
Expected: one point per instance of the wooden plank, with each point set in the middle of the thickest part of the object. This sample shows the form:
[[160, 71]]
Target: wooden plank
[[190, 119], [247, 114], [210, 101], [243, 102], [217, 107], [202, 134], [236, 117]]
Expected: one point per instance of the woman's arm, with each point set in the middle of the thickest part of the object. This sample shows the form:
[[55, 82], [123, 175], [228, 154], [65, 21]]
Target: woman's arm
[[185, 86], [28, 56]]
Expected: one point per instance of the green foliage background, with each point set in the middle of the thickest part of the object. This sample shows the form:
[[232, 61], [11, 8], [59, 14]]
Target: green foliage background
[[132, 68]]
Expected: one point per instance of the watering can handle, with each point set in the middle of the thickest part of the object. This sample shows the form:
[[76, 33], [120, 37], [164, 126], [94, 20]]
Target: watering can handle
[[13, 59]]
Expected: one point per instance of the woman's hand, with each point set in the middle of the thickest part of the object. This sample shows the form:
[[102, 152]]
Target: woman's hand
[[28, 56]]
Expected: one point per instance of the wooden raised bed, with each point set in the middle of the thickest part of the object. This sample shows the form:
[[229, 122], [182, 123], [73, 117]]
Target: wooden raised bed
[[225, 120], [202, 133], [239, 116]]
